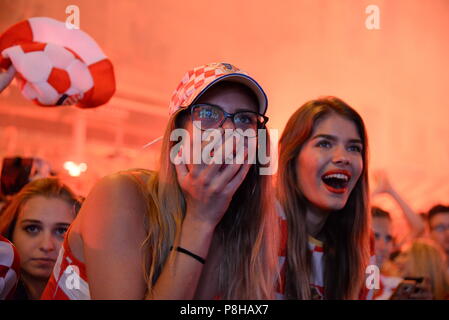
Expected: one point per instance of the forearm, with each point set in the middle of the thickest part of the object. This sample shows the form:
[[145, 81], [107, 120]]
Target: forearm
[[413, 220], [181, 273]]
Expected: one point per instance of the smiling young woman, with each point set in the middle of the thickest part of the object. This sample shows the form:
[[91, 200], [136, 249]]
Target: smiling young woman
[[323, 197]]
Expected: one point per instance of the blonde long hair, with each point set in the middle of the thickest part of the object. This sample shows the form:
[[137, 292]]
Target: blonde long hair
[[346, 234], [425, 259], [248, 266]]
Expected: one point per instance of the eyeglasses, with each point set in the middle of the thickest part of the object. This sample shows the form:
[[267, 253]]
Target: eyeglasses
[[211, 116], [440, 228]]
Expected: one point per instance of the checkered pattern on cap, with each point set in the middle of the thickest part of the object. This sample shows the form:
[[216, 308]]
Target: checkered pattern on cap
[[196, 80]]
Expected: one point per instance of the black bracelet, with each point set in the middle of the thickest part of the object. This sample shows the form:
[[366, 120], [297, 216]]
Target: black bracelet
[[187, 252]]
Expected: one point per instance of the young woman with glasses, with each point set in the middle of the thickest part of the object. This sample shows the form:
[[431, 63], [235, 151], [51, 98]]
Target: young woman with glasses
[[191, 230]]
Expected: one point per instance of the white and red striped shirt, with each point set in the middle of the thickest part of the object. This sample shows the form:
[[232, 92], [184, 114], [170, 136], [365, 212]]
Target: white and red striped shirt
[[68, 280], [9, 269], [316, 248], [316, 278]]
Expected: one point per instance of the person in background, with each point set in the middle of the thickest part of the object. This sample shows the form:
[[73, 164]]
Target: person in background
[[35, 221], [414, 221], [386, 244], [438, 218], [422, 258], [382, 227]]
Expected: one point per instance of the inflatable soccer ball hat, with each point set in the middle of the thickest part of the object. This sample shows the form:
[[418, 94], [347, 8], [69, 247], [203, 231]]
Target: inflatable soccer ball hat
[[56, 65]]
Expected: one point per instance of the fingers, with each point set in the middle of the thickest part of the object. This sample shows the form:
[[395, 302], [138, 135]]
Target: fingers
[[237, 180], [233, 175], [181, 168], [213, 169], [205, 155], [235, 154], [217, 176], [226, 175], [212, 157]]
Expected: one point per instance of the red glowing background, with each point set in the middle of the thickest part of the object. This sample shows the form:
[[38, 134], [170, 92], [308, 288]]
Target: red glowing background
[[396, 76]]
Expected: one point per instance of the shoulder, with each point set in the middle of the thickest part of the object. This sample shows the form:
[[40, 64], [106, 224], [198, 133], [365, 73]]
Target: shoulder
[[118, 196], [126, 185], [139, 175]]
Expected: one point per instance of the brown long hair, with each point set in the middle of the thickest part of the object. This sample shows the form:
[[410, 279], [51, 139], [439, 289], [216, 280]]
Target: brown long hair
[[247, 269], [346, 234], [47, 187]]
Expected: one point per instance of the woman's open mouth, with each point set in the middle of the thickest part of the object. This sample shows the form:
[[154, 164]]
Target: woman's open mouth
[[336, 181]]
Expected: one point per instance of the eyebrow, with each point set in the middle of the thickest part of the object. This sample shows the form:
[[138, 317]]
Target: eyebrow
[[236, 111], [31, 221], [440, 225], [61, 224], [334, 138], [245, 110]]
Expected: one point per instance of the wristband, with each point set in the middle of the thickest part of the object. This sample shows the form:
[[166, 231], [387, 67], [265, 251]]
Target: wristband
[[187, 252]]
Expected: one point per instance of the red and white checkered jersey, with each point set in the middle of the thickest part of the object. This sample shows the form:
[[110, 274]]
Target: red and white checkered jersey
[[9, 269], [317, 275], [68, 280]]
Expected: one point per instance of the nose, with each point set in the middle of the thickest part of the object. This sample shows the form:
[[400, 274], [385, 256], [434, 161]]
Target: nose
[[340, 156], [228, 124], [48, 243], [380, 245]]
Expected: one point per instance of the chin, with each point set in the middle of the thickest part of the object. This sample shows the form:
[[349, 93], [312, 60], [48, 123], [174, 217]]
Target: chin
[[41, 273], [328, 202], [336, 205]]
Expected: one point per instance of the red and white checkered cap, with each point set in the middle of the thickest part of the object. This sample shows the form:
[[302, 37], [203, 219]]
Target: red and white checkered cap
[[196, 81]]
